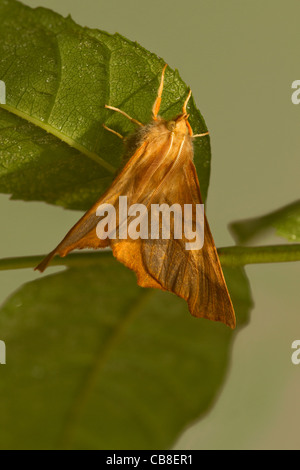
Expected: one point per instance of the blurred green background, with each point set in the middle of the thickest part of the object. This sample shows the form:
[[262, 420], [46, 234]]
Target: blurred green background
[[240, 59]]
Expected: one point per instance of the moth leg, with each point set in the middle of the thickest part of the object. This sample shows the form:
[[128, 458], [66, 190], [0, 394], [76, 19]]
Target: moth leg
[[191, 131], [124, 114], [157, 102], [114, 132], [184, 111], [201, 135]]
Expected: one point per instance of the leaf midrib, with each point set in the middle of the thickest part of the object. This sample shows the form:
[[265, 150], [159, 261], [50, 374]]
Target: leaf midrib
[[100, 360], [61, 136]]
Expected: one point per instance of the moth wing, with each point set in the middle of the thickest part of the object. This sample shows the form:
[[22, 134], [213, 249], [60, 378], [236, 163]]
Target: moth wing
[[194, 275], [134, 181], [83, 234]]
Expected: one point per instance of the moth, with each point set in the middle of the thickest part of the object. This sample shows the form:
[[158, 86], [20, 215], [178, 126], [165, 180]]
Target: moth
[[160, 170]]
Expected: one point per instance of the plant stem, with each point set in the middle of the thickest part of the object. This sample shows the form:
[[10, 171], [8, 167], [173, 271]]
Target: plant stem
[[242, 255], [72, 260], [229, 256]]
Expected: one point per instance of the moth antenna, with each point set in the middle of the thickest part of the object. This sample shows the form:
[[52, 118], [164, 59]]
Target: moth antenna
[[124, 114], [157, 102], [114, 132], [186, 102]]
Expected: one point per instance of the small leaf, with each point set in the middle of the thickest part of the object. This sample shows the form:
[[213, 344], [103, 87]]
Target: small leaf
[[96, 362], [58, 78], [286, 221]]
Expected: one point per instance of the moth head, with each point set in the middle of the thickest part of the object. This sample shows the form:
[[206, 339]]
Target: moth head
[[171, 125], [179, 125]]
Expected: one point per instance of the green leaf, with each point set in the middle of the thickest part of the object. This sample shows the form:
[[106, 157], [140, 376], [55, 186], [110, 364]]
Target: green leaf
[[58, 78], [96, 362], [285, 220]]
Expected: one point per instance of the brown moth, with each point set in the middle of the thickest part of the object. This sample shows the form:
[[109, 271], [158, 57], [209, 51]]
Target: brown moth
[[160, 171]]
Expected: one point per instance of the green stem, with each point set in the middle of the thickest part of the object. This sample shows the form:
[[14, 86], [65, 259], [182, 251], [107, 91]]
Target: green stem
[[242, 255], [72, 260], [229, 256]]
